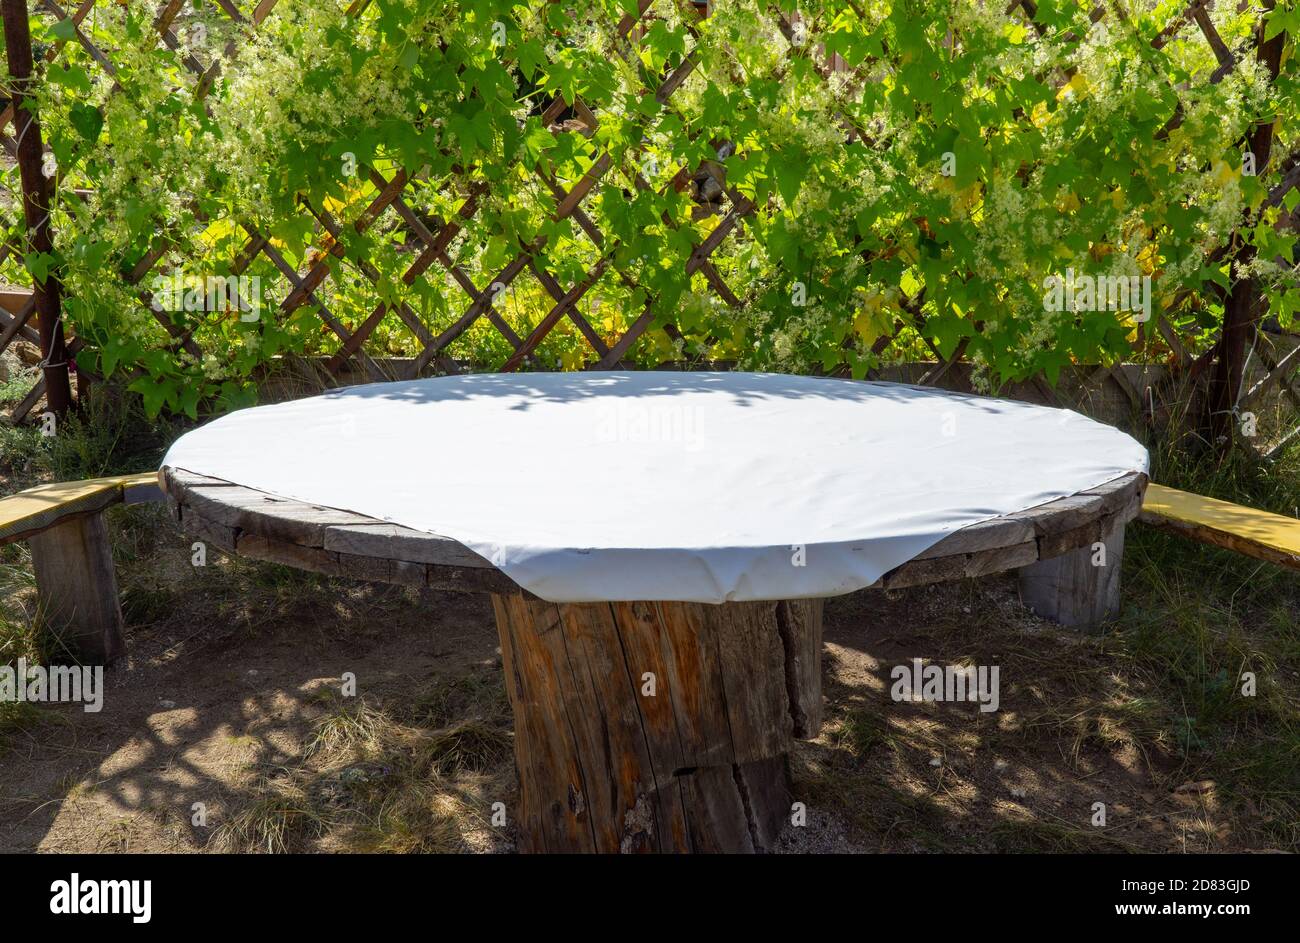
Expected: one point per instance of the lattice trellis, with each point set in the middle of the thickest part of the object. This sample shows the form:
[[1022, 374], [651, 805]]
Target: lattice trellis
[[435, 236]]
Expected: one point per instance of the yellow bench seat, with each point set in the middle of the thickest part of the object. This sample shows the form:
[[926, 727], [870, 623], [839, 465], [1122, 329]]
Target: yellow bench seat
[[1259, 534], [37, 509]]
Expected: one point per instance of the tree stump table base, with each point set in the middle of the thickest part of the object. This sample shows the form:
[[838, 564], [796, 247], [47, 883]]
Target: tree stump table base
[[657, 726]]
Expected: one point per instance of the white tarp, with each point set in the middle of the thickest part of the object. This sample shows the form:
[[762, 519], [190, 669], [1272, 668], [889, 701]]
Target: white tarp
[[703, 487]]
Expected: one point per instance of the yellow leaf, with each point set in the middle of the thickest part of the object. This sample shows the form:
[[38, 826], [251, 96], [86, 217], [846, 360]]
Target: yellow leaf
[[1077, 87], [1147, 258], [864, 327], [1224, 173]]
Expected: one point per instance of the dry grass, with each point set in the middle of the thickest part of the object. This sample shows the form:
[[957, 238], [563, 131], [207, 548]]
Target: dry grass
[[372, 779]]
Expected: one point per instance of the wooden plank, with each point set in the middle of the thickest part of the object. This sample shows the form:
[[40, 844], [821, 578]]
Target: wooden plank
[[267, 515], [333, 530], [999, 532], [376, 539], [1001, 559], [1061, 515], [920, 572], [1122, 494], [468, 580], [209, 532], [1085, 535], [1255, 533], [312, 559]]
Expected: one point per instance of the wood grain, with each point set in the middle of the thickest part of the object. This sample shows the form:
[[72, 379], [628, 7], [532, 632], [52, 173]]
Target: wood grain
[[76, 588], [655, 727], [1073, 587]]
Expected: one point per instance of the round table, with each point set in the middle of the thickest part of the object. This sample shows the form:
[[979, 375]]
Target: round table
[[662, 725]]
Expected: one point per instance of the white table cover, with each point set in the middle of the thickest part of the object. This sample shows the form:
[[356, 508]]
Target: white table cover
[[706, 487]]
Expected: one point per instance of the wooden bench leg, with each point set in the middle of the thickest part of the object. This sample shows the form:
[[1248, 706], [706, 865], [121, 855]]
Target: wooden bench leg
[[77, 588], [1073, 589], [657, 726]]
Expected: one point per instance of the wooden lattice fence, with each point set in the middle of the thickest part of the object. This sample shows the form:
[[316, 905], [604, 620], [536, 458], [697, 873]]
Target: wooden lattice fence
[[433, 237]]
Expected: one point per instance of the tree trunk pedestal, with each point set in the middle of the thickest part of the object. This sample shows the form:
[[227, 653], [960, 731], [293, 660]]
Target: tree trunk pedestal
[[658, 726]]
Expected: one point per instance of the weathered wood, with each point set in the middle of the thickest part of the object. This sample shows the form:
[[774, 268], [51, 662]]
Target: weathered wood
[[657, 726], [923, 571], [700, 764], [399, 543], [77, 589], [36, 189], [1079, 588], [254, 545], [1061, 515], [800, 625], [994, 546], [986, 535], [286, 521], [1119, 494]]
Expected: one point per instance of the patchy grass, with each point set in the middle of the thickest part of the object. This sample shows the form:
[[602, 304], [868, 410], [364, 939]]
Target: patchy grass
[[1151, 718], [371, 782]]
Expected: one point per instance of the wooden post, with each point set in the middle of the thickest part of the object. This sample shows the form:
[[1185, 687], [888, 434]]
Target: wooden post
[[76, 587], [657, 726], [36, 204], [1076, 589], [1241, 306]]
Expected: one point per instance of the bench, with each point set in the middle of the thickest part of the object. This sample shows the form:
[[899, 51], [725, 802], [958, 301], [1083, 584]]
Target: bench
[[1259, 534], [76, 586]]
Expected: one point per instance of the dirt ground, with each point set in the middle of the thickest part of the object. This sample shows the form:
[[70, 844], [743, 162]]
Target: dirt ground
[[230, 704]]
